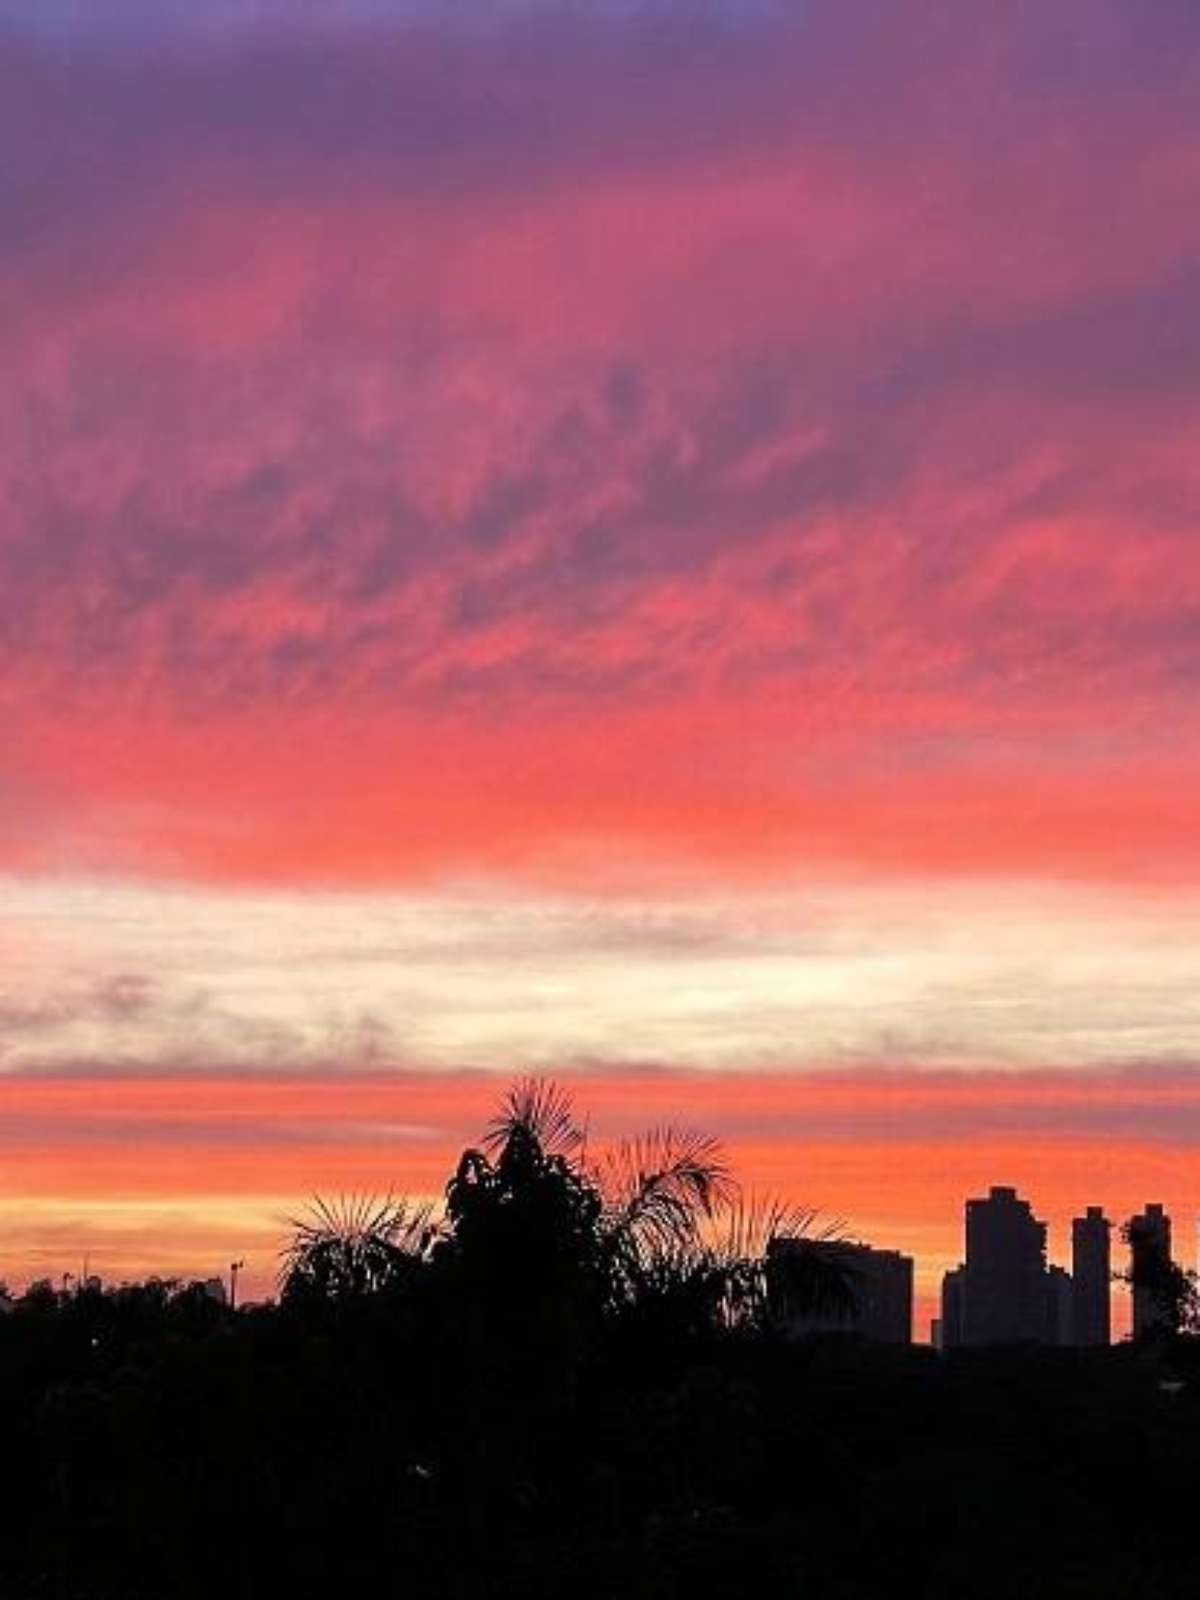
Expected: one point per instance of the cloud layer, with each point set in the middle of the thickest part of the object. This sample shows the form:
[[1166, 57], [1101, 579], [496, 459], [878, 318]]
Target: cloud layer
[[104, 980], [656, 541], [470, 446]]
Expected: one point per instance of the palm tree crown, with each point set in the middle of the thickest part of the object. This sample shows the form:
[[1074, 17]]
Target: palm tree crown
[[538, 1230]]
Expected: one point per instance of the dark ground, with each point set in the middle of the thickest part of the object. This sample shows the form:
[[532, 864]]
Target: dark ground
[[157, 1445]]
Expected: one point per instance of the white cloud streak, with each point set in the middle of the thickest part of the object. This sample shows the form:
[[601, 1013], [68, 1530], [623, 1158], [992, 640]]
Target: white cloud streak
[[111, 978]]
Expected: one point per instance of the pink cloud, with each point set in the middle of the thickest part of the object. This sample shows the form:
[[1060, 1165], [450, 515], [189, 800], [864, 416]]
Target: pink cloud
[[598, 452], [781, 444]]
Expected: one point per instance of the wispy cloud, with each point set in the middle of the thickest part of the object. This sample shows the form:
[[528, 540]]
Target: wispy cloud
[[105, 978], [384, 455], [656, 543]]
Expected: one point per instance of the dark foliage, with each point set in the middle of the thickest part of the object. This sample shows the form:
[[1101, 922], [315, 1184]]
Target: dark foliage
[[538, 1398], [1173, 1293]]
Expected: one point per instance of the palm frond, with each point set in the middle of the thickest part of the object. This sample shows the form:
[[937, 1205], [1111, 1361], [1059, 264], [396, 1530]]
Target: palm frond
[[355, 1244], [659, 1190], [754, 1220], [537, 1109], [777, 1256]]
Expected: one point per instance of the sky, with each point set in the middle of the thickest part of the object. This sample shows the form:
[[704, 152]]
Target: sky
[[655, 544]]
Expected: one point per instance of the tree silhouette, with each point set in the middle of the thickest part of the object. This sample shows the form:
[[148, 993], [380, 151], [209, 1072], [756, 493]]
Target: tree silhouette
[[657, 1192], [572, 1383], [1172, 1291], [523, 1241], [542, 1242], [655, 1225], [353, 1246]]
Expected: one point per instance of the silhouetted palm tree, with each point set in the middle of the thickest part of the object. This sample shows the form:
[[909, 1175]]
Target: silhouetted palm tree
[[522, 1253], [658, 1190], [538, 1233], [632, 1208], [664, 1221], [536, 1112], [341, 1249], [756, 1264]]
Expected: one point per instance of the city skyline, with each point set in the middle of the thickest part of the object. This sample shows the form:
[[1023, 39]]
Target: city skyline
[[1084, 1298]]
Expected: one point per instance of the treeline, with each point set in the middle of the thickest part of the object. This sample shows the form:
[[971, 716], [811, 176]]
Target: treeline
[[574, 1380]]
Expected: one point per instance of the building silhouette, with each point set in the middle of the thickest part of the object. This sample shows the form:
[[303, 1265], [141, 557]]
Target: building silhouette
[[1150, 1247], [881, 1283], [1058, 1299], [949, 1334], [1004, 1277], [1005, 1292], [1091, 1268]]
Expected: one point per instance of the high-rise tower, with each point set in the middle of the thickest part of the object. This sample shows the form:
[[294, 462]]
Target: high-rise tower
[[1091, 1271], [1150, 1249], [1004, 1280]]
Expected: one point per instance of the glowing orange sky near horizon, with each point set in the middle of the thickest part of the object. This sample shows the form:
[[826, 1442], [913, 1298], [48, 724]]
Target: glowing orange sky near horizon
[[593, 542], [140, 1166]]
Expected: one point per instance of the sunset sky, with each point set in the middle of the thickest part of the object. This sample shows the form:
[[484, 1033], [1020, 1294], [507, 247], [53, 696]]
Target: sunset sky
[[655, 543]]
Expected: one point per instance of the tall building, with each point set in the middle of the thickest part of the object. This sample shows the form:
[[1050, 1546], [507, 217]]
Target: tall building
[[1091, 1269], [1150, 1250], [881, 1282], [1059, 1308], [1004, 1289], [950, 1323]]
